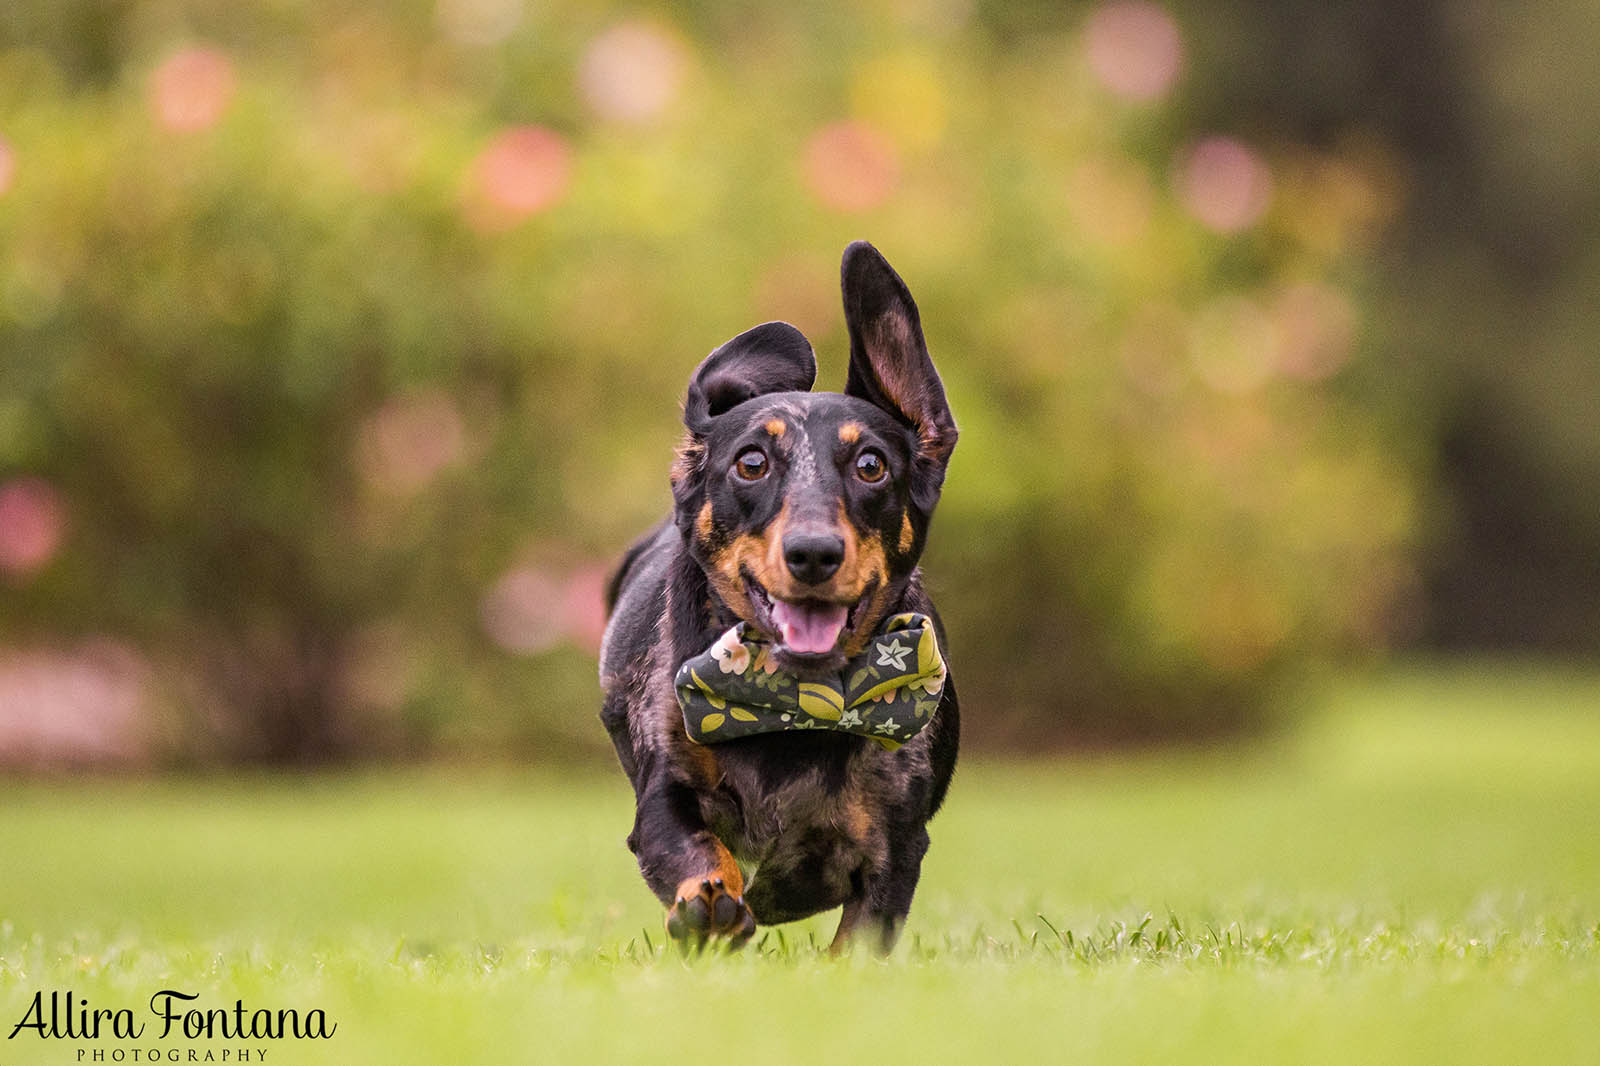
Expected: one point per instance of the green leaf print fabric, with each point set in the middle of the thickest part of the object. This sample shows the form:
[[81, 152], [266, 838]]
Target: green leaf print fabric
[[887, 693]]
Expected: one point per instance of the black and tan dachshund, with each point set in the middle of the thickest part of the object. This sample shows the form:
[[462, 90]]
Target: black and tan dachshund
[[789, 565]]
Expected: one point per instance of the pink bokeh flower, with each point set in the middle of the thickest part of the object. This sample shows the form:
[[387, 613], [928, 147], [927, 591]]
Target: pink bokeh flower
[[521, 172], [524, 612], [1225, 184], [1134, 49], [66, 707], [8, 165], [409, 441], [32, 522], [631, 72], [850, 166], [191, 89], [531, 608]]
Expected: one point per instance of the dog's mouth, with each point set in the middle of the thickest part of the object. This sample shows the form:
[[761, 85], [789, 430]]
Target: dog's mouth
[[806, 631]]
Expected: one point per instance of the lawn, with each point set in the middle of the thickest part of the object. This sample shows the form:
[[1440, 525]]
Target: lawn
[[1412, 877]]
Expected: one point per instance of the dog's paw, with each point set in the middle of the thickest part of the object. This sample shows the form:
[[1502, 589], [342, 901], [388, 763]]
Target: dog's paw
[[706, 908]]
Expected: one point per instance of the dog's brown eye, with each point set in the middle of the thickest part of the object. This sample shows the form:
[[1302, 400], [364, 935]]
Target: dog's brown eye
[[751, 465], [869, 467]]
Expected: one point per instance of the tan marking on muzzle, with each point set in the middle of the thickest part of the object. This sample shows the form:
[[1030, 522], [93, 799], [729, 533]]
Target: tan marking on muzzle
[[761, 556], [863, 560], [754, 553], [868, 615]]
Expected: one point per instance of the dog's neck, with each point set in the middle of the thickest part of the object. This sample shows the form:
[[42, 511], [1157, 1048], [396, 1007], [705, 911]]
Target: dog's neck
[[690, 619]]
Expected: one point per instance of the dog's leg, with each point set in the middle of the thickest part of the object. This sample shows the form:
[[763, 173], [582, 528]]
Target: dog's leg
[[885, 901], [886, 897], [687, 867], [849, 919]]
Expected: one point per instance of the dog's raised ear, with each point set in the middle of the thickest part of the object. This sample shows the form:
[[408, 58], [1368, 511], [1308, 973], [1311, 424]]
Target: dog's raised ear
[[889, 363], [772, 357]]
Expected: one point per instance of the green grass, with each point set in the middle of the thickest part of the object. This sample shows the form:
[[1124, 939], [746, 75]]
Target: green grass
[[1414, 877]]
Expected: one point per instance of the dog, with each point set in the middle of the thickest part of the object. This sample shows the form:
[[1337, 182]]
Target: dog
[[774, 674]]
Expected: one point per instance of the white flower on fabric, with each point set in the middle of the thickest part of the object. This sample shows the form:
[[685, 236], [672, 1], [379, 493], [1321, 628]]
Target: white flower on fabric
[[887, 728], [731, 654], [849, 718], [893, 654]]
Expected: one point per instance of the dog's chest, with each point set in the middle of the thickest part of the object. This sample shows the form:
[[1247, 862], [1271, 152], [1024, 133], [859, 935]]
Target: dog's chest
[[776, 792]]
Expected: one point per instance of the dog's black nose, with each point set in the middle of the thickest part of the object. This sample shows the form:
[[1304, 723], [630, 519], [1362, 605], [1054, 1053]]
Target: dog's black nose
[[813, 557]]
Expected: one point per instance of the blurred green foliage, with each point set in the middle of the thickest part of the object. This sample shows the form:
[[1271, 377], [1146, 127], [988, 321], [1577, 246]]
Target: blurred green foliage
[[352, 341], [1482, 314]]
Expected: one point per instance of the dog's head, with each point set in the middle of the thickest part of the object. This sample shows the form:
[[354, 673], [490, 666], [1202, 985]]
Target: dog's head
[[808, 511]]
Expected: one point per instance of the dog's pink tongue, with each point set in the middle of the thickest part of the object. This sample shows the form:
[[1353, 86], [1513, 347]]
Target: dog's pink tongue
[[809, 628]]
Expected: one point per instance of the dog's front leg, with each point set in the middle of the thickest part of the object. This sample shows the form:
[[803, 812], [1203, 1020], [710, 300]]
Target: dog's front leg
[[687, 867]]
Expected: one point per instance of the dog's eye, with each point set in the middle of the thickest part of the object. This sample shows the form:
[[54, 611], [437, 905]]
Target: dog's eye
[[751, 465], [870, 467]]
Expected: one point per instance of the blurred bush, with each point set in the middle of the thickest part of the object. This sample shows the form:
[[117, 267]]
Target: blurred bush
[[1482, 312], [343, 346]]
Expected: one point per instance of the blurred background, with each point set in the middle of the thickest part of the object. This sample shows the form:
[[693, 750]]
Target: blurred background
[[342, 345]]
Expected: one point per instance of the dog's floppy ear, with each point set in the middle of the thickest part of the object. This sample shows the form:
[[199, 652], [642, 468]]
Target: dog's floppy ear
[[772, 357], [889, 363]]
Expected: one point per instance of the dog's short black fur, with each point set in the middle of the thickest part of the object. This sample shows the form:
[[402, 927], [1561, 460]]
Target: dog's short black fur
[[785, 494]]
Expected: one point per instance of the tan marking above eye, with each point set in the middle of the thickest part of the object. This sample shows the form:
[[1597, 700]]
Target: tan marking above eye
[[777, 427], [850, 432]]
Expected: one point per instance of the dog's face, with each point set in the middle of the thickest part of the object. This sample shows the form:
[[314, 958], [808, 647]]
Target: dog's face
[[808, 511]]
